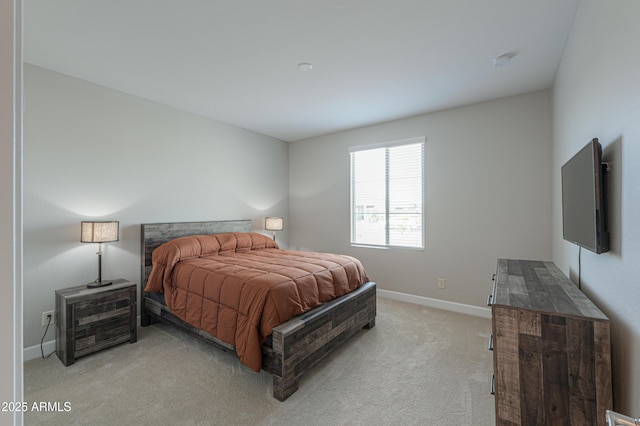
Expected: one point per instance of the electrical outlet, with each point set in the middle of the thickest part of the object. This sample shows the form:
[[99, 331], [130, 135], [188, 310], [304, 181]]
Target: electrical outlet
[[442, 283], [45, 318]]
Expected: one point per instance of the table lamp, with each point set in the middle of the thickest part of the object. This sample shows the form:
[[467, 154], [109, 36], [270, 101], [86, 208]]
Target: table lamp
[[99, 232], [274, 224]]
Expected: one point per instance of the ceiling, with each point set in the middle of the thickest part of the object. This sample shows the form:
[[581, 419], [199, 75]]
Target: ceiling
[[237, 61]]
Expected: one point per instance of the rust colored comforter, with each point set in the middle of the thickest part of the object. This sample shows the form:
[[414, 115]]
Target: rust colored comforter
[[238, 286]]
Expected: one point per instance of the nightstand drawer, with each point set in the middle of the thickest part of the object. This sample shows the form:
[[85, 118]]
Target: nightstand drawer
[[91, 336], [115, 303], [89, 320]]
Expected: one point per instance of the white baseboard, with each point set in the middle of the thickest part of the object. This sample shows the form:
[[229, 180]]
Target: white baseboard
[[34, 352], [436, 303]]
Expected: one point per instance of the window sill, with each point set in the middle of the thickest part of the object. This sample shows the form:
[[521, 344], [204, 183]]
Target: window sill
[[372, 246]]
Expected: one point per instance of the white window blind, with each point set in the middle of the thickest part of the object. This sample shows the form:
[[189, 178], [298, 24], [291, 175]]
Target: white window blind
[[387, 190]]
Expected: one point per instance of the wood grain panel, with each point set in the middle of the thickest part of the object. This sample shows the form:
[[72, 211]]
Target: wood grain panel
[[530, 363], [554, 370], [507, 384], [560, 342], [582, 378], [529, 323], [602, 345]]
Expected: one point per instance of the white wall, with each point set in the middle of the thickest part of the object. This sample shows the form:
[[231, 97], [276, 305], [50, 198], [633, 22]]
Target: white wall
[[597, 94], [92, 152], [487, 192], [11, 385]]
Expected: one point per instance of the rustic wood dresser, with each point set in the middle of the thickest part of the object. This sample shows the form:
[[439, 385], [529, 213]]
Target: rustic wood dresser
[[91, 319], [551, 348]]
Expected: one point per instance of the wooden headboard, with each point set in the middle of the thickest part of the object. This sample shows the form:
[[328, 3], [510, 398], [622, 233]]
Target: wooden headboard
[[154, 234]]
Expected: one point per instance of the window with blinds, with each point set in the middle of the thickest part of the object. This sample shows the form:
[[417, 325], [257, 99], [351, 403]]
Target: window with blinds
[[387, 193]]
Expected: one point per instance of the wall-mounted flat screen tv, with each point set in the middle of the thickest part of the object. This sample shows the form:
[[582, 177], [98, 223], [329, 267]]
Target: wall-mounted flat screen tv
[[584, 213]]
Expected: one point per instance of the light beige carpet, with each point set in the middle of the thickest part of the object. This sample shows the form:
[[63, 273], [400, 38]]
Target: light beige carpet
[[417, 366]]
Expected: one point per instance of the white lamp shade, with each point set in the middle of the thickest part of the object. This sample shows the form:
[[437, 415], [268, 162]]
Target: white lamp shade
[[274, 223], [99, 232]]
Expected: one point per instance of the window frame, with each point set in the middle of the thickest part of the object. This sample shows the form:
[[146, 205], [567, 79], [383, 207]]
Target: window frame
[[352, 208]]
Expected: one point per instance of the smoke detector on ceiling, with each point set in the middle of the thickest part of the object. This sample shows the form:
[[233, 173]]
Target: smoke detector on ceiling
[[503, 60], [305, 67]]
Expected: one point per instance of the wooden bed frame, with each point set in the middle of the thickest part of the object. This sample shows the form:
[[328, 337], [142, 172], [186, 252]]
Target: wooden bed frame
[[296, 345]]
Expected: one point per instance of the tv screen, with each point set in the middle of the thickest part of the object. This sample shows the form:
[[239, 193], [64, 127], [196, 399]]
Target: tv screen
[[583, 199]]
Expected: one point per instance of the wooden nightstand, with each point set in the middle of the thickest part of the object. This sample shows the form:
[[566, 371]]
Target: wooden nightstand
[[91, 319]]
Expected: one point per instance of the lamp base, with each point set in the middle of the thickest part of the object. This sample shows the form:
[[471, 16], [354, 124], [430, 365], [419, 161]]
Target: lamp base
[[96, 284]]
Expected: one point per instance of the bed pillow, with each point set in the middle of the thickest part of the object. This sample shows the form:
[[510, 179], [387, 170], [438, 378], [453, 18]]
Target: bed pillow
[[165, 256]]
